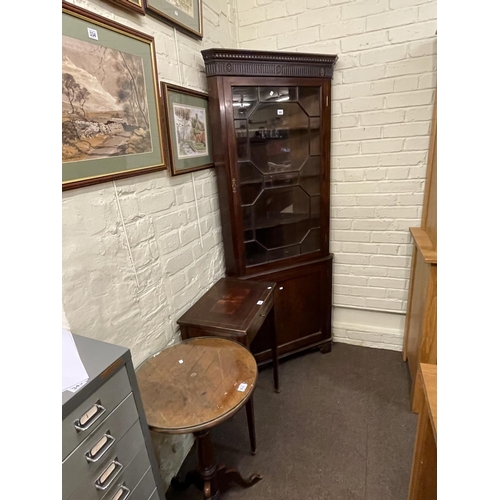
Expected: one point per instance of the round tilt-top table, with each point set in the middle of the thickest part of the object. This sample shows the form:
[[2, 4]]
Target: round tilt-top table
[[193, 386]]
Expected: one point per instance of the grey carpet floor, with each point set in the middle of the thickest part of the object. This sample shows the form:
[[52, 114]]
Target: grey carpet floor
[[341, 429]]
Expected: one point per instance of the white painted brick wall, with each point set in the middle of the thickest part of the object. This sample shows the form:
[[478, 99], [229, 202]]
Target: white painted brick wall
[[383, 92], [133, 256]]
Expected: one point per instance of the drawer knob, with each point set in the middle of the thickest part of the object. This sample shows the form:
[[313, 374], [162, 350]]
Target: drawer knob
[[104, 481], [90, 417], [100, 448], [281, 288]]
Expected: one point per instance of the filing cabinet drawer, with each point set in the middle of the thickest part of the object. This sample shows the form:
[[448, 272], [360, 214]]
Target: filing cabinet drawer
[[96, 449], [145, 487], [131, 477], [107, 475], [154, 496], [90, 413]]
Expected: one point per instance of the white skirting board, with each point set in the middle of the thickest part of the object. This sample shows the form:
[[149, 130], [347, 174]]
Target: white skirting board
[[382, 330]]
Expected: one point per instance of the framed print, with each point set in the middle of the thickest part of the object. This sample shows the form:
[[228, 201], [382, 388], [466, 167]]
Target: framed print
[[188, 128], [111, 115], [135, 5], [185, 14]]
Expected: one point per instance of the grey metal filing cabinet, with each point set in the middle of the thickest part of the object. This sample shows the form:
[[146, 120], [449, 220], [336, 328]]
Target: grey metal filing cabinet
[[106, 445]]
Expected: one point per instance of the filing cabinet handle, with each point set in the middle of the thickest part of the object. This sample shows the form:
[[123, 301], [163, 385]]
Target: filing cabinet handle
[[106, 445], [89, 417], [123, 488], [104, 481]]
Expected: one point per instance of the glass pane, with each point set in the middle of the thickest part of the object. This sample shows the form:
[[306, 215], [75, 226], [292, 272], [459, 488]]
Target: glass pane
[[244, 101], [315, 204], [310, 178], [283, 253], [309, 98], [250, 183], [255, 253], [247, 217], [314, 143], [312, 242], [241, 132], [282, 235], [277, 94], [278, 146], [277, 206], [279, 137], [281, 180]]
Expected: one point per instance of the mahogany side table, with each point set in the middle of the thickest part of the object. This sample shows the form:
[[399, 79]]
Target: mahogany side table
[[234, 309], [193, 386]]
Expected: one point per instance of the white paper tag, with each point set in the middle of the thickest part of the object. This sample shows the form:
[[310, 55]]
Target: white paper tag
[[176, 13], [92, 33], [260, 302], [280, 111], [242, 387], [75, 387]]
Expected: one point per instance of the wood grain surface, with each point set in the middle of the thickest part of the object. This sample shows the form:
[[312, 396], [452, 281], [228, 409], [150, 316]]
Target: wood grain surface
[[193, 385], [429, 382]]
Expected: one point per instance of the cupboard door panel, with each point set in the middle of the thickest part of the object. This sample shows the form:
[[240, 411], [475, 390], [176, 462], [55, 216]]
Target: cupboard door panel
[[302, 308]]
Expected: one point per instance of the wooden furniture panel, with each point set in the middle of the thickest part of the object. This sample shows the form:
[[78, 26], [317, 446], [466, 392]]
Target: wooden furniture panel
[[271, 113], [423, 481], [420, 341], [303, 298]]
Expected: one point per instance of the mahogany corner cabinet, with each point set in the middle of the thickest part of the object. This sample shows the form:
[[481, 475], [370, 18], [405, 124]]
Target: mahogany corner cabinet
[[270, 114]]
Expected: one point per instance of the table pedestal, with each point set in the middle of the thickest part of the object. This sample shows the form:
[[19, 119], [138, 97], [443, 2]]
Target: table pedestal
[[210, 477]]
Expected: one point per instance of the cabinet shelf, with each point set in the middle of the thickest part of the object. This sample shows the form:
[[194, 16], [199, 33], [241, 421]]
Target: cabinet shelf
[[283, 220]]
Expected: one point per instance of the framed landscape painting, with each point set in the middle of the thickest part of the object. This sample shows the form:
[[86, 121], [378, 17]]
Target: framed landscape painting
[[185, 14], [111, 117], [188, 129]]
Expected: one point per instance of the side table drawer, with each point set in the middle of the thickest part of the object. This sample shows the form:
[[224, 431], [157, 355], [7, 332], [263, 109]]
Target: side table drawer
[[82, 462], [113, 468], [91, 412]]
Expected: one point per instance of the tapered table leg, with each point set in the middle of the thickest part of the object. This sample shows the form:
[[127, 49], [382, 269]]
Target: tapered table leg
[[251, 424], [275, 354]]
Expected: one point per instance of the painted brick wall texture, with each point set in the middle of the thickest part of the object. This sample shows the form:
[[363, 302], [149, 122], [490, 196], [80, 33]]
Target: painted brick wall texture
[[383, 93], [139, 252]]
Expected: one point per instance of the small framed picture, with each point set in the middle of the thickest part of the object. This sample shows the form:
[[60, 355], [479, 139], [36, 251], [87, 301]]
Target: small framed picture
[[185, 14], [188, 129]]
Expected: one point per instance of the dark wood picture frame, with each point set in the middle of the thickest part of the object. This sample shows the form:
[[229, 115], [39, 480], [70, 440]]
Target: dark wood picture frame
[[175, 162], [119, 169], [171, 15], [138, 7]]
